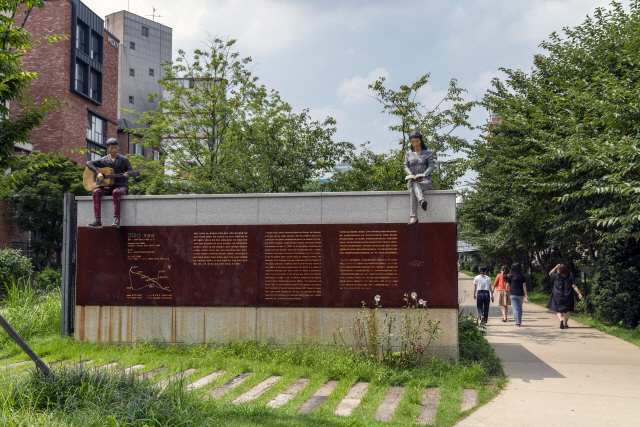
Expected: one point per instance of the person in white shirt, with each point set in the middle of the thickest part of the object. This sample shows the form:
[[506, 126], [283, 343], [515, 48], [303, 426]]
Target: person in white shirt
[[482, 293]]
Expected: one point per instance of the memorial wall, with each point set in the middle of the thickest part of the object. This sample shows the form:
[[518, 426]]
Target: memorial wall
[[272, 267], [312, 265]]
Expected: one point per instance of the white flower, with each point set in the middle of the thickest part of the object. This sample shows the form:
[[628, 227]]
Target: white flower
[[422, 302], [414, 295], [377, 298]]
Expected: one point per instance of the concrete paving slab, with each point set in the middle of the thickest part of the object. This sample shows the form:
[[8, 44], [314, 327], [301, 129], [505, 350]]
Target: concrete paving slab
[[204, 380], [15, 365], [318, 397], [288, 393], [151, 373], [184, 374], [429, 407], [469, 399], [130, 369], [389, 404], [352, 399], [257, 390], [577, 376], [111, 365], [229, 385]]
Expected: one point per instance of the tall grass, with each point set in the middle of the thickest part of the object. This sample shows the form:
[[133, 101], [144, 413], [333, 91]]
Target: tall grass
[[30, 312]]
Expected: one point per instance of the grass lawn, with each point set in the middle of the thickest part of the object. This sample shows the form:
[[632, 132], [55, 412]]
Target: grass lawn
[[84, 396], [24, 403], [631, 335]]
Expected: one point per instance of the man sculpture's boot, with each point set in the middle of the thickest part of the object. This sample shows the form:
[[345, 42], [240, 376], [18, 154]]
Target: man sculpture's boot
[[116, 222], [95, 224]]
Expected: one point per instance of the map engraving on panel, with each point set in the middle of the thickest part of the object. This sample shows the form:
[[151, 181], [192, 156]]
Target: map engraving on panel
[[150, 285]]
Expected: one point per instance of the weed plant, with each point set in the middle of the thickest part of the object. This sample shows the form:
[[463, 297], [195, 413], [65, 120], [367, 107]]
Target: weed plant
[[29, 312], [399, 343]]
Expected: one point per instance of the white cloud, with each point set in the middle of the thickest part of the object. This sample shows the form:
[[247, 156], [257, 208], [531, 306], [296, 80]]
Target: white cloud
[[321, 114], [483, 82], [355, 90]]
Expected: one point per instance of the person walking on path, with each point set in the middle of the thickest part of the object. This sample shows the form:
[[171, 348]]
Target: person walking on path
[[482, 293], [500, 288], [518, 291], [561, 300]]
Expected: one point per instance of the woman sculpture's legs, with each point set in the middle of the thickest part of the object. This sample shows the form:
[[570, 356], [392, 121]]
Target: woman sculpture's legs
[[416, 195]]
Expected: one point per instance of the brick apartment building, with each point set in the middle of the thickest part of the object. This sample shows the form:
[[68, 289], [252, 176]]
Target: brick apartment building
[[81, 71]]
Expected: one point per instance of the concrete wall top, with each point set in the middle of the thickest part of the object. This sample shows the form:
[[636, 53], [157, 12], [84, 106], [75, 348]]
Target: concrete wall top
[[272, 208]]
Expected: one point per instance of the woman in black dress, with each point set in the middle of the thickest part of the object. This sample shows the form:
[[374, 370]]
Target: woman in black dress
[[561, 299]]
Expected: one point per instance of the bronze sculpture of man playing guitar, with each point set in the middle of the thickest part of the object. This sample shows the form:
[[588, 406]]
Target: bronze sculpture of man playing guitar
[[120, 165]]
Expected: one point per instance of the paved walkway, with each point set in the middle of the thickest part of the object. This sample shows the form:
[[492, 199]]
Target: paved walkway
[[573, 377]]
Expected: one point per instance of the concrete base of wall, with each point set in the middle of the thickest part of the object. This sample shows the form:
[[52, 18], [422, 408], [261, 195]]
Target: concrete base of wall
[[290, 325]]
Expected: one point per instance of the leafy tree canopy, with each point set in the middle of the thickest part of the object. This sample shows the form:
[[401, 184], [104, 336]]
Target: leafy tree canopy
[[14, 81], [222, 132], [37, 202]]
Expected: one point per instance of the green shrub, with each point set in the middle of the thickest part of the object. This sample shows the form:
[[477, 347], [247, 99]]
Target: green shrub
[[13, 265], [47, 280], [473, 345], [616, 294]]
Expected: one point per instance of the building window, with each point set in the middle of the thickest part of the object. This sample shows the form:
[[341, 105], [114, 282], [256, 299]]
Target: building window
[[132, 72], [96, 48], [145, 31], [138, 149], [192, 84], [156, 155], [96, 128], [81, 34], [95, 151], [94, 91], [130, 99], [151, 72], [132, 46], [80, 80]]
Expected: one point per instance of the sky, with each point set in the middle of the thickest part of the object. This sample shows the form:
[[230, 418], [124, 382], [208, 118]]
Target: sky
[[321, 55]]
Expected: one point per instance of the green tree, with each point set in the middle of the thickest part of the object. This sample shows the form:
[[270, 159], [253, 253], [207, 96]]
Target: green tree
[[383, 172], [14, 81], [564, 158], [36, 204], [223, 133]]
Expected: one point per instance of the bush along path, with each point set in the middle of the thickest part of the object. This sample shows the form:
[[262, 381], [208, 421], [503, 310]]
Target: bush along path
[[242, 384]]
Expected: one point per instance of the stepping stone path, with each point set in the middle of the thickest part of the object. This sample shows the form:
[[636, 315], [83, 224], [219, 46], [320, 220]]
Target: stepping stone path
[[288, 393], [204, 380], [429, 407], [229, 385], [318, 397], [257, 390], [389, 404], [469, 399], [352, 399]]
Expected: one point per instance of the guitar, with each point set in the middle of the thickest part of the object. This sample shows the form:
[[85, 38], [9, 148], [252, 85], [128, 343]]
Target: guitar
[[90, 180]]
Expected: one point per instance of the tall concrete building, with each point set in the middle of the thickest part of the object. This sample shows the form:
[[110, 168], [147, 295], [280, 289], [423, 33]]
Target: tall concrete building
[[145, 46]]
